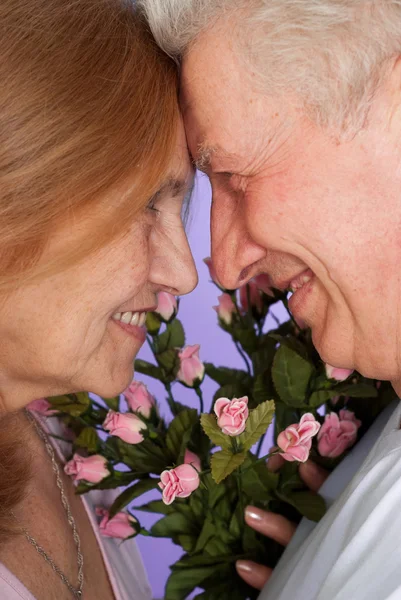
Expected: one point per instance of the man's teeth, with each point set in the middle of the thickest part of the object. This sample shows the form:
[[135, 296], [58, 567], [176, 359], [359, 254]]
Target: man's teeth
[[299, 282], [130, 318]]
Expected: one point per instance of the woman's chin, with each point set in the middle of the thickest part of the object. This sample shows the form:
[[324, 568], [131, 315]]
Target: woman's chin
[[112, 388]]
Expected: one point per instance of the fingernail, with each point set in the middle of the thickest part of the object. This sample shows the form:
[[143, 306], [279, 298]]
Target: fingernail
[[254, 514], [244, 565]]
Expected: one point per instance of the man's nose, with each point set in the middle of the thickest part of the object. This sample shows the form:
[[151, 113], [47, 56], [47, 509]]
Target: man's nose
[[234, 253]]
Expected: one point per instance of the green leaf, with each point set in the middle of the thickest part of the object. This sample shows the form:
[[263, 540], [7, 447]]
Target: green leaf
[[146, 368], [131, 493], [213, 431], [207, 532], [257, 423], [216, 547], [357, 390], [310, 505], [183, 581], [173, 337], [187, 542], [153, 323], [156, 506], [88, 439], [223, 375], [320, 397], [72, 404], [223, 463], [172, 525], [179, 432], [247, 337], [113, 403], [291, 374], [170, 364], [145, 457], [254, 487]]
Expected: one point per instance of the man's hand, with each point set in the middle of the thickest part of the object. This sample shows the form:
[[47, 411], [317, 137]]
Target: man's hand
[[275, 526]]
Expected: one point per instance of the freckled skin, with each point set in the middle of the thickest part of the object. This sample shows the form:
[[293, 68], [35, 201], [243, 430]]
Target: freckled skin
[[299, 198], [57, 335]]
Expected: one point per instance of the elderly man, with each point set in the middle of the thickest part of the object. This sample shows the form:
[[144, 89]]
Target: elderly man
[[293, 109]]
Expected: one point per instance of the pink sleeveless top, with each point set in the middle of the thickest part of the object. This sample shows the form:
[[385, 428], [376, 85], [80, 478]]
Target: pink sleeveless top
[[122, 561]]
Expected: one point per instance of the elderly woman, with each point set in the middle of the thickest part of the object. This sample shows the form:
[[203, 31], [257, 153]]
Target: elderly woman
[[93, 173], [293, 109]]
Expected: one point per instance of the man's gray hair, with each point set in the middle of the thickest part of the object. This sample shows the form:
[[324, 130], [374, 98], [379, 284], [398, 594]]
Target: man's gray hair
[[331, 53]]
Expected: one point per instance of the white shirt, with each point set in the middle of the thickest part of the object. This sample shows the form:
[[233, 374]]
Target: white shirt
[[354, 552]]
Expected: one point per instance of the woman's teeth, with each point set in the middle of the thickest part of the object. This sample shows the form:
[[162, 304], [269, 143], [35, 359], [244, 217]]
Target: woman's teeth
[[300, 281], [130, 318]]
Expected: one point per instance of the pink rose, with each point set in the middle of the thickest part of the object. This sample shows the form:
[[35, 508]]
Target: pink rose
[[192, 459], [337, 433], [92, 468], [139, 399], [178, 483], [348, 415], [126, 426], [167, 306], [231, 415], [296, 440], [337, 373], [226, 308], [121, 526], [255, 297], [192, 370], [42, 406], [263, 283]]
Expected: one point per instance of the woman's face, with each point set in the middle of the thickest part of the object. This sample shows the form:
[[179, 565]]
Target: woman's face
[[58, 335]]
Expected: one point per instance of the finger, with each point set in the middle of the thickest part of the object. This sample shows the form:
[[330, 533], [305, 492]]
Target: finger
[[275, 462], [313, 475], [271, 525], [253, 574]]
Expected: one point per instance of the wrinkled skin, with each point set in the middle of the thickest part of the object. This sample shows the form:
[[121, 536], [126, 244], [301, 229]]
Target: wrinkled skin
[[292, 199]]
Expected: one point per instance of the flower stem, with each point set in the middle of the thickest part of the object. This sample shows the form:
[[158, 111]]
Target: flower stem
[[200, 396], [261, 460], [240, 496], [243, 355], [260, 444]]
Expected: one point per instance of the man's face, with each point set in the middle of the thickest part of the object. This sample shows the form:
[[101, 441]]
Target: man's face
[[290, 200]]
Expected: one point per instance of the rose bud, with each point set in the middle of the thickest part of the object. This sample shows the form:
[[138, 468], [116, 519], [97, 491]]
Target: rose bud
[[139, 399], [178, 483], [121, 526], [125, 426], [42, 406], [226, 309], [337, 373], [337, 433], [296, 440], [192, 369], [232, 415], [92, 469], [263, 284], [255, 297], [192, 459], [167, 306]]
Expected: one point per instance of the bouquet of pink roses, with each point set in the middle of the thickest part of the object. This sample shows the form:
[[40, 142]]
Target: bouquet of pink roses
[[208, 466]]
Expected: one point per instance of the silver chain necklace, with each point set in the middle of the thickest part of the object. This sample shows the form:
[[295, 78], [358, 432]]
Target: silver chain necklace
[[75, 591]]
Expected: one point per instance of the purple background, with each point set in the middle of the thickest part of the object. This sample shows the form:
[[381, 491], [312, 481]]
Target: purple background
[[200, 324]]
